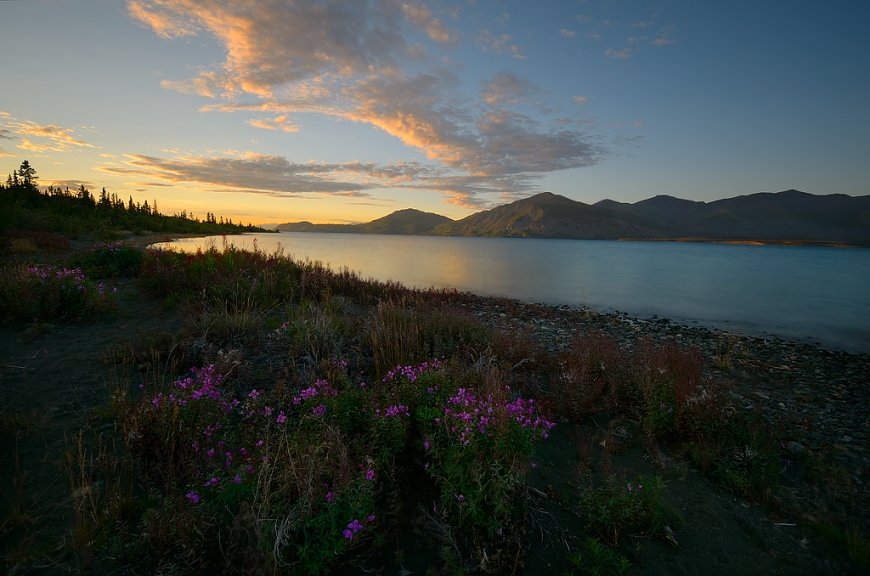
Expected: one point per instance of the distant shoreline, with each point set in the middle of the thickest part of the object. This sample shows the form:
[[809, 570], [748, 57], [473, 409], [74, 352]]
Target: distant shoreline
[[684, 239], [749, 242]]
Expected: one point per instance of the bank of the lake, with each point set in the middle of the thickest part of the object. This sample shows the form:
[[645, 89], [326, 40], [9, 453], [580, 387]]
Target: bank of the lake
[[812, 398], [810, 294]]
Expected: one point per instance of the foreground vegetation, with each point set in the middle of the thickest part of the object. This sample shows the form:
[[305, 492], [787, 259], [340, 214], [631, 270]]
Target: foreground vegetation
[[308, 421]]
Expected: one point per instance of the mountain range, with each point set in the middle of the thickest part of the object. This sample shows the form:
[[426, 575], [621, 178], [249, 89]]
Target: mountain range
[[789, 216]]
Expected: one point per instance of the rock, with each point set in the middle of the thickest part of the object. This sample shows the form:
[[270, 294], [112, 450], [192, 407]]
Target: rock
[[795, 448]]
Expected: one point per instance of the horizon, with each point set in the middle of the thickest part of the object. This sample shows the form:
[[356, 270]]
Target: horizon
[[562, 196], [448, 108]]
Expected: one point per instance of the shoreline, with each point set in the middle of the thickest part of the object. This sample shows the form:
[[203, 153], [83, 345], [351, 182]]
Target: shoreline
[[689, 324], [816, 397]]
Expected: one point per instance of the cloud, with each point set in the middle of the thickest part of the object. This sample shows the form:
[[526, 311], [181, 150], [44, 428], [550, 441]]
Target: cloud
[[273, 42], [5, 134], [262, 173], [664, 36], [566, 33], [276, 123], [352, 61], [581, 100], [49, 137], [500, 44], [5, 154], [434, 28], [506, 88], [623, 54], [71, 184]]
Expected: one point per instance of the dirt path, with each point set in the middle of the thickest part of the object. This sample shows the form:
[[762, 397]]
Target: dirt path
[[51, 382]]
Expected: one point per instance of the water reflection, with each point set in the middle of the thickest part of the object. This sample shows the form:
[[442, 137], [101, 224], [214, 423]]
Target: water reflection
[[796, 292]]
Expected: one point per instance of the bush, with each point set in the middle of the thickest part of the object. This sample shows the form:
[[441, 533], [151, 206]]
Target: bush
[[112, 260], [636, 506], [43, 293], [305, 474]]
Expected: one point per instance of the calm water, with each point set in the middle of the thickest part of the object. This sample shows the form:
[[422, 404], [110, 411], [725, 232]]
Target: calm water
[[805, 293]]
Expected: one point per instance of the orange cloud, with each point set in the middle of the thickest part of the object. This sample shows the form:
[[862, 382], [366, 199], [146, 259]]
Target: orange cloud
[[345, 60], [44, 137], [277, 123]]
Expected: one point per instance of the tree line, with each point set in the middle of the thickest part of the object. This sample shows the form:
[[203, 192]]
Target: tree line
[[58, 209]]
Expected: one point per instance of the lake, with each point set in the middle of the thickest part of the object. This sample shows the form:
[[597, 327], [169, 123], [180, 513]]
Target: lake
[[806, 293]]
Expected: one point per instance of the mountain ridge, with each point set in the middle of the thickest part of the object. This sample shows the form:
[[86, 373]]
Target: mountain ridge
[[787, 216]]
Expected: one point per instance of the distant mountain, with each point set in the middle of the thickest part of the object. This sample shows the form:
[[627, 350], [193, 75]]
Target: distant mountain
[[666, 214], [408, 221], [790, 216], [782, 216], [546, 215], [306, 226]]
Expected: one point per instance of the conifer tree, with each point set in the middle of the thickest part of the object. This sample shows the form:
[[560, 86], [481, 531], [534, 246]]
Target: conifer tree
[[27, 174]]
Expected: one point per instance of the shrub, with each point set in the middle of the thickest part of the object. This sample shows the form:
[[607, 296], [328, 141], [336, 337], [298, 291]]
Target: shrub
[[110, 260], [301, 476], [43, 293], [618, 507]]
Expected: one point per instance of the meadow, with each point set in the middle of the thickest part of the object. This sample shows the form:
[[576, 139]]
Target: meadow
[[235, 411]]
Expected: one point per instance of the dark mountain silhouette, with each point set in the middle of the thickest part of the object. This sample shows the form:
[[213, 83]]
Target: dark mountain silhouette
[[784, 216], [408, 221], [546, 215], [790, 216]]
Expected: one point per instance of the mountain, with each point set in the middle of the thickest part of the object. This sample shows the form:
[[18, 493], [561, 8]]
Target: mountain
[[408, 221], [666, 214], [789, 216], [782, 216], [546, 215]]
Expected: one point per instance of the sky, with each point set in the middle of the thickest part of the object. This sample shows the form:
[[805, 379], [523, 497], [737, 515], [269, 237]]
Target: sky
[[347, 110]]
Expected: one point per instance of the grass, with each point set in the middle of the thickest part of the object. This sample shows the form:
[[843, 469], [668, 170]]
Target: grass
[[597, 559], [634, 507], [306, 420]]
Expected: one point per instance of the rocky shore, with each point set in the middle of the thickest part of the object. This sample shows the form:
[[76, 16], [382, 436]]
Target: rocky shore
[[815, 399]]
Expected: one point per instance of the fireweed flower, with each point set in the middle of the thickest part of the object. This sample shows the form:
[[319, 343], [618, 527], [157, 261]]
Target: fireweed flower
[[319, 410], [411, 373], [353, 527], [330, 496], [281, 417], [370, 474], [396, 410], [193, 497]]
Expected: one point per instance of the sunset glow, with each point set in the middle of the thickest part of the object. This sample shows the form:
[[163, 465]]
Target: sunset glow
[[275, 111]]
